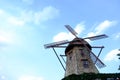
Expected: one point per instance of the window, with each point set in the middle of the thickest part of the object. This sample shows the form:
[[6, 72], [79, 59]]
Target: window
[[70, 58], [81, 52], [85, 63]]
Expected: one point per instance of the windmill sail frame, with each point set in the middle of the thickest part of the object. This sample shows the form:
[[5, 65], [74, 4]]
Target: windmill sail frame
[[60, 44]]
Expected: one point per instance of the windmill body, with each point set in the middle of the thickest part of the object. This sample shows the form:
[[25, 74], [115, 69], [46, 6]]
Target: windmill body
[[78, 58]]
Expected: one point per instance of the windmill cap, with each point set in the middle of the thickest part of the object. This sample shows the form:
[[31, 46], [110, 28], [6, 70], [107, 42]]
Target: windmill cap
[[77, 42]]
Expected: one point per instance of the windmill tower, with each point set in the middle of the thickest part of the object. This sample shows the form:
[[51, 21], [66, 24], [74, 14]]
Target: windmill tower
[[79, 56]]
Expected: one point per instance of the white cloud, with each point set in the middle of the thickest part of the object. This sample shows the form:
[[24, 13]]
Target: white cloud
[[104, 25], [9, 37], [91, 34], [6, 36], [15, 21], [10, 23], [1, 11], [46, 14], [68, 36], [36, 17], [61, 36], [100, 28], [30, 77], [8, 19], [79, 28], [2, 77], [28, 16], [112, 55], [117, 36]]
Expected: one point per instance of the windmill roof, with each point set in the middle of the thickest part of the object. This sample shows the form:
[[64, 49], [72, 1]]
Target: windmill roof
[[77, 42]]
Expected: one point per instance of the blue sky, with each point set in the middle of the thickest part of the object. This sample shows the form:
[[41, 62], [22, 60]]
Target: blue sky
[[26, 25]]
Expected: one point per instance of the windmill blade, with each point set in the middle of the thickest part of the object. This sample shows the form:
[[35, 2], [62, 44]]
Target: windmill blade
[[99, 63], [97, 37], [55, 44], [71, 30], [97, 46]]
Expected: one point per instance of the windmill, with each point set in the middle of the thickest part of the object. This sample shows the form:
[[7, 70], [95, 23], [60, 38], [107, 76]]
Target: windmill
[[79, 56]]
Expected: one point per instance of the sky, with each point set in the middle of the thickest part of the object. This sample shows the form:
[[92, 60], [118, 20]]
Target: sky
[[26, 25]]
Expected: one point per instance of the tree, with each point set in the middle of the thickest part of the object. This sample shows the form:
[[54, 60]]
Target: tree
[[119, 58]]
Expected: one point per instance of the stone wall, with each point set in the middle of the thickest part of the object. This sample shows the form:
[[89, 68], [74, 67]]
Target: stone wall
[[74, 62]]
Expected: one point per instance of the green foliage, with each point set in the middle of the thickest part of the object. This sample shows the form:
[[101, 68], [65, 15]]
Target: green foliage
[[92, 76]]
